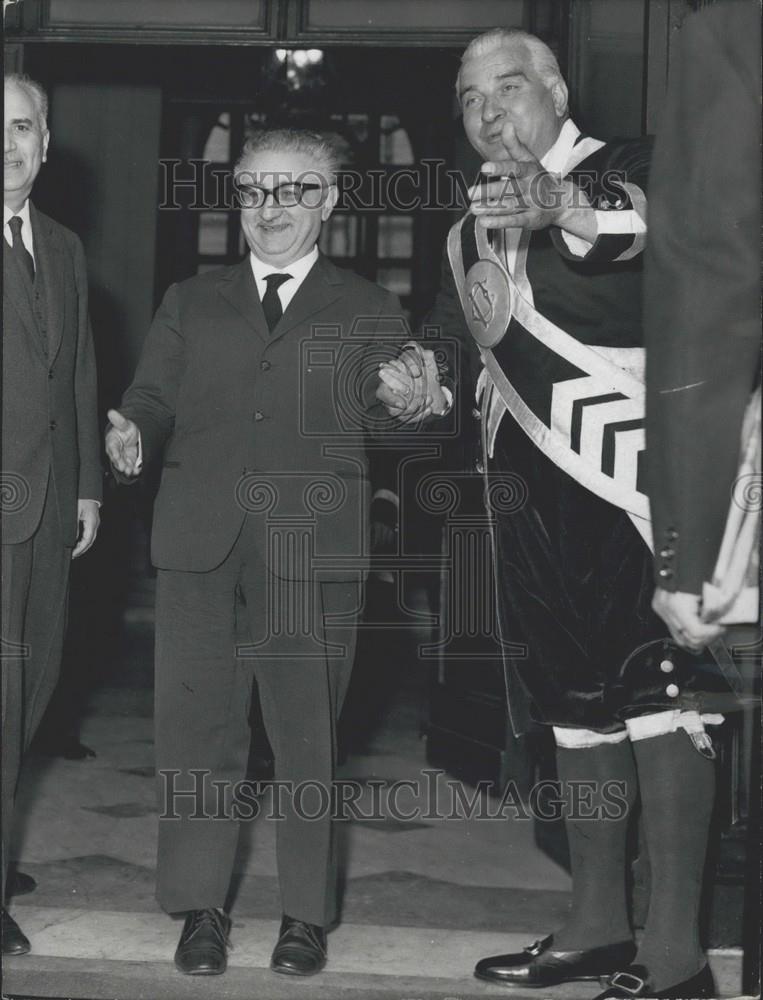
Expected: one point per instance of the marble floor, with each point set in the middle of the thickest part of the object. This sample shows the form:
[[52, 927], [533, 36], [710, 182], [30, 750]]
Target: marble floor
[[423, 899]]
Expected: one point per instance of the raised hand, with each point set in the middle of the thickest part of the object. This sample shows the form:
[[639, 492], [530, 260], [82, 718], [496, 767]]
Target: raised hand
[[523, 194], [122, 444]]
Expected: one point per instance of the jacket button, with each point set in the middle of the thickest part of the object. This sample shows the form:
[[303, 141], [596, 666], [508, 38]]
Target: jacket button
[[259, 416], [667, 552], [52, 425], [665, 573], [672, 690], [50, 373], [265, 366], [667, 666]]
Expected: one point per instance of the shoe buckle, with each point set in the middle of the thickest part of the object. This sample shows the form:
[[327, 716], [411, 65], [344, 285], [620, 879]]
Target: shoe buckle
[[627, 982]]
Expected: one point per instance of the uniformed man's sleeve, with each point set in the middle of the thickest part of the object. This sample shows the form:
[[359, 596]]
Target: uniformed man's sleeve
[[618, 197]]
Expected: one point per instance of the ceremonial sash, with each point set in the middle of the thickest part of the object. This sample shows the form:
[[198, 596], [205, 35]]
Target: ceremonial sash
[[587, 405], [586, 408]]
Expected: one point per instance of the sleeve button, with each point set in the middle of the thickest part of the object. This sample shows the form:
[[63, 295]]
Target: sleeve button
[[667, 666]]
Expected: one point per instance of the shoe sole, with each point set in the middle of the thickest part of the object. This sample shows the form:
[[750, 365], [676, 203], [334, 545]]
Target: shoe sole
[[540, 986], [294, 972], [200, 972]]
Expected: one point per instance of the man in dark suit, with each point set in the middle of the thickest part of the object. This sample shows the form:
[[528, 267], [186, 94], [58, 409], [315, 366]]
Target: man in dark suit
[[254, 386], [702, 301], [51, 476]]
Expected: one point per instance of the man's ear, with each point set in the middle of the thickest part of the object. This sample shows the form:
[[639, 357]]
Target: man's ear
[[45, 141], [560, 97], [328, 206]]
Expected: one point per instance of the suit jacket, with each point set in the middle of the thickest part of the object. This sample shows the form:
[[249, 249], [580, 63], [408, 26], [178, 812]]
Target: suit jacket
[[247, 420], [49, 385], [702, 304]]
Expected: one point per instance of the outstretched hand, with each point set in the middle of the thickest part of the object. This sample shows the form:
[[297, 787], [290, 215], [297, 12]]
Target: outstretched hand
[[122, 444]]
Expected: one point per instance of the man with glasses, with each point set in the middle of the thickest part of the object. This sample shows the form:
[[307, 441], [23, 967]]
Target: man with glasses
[[254, 388]]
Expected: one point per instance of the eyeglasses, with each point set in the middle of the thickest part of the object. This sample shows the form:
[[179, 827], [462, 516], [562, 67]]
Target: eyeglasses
[[286, 195]]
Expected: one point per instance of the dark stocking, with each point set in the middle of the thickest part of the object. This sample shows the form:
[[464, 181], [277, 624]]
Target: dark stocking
[[677, 788], [599, 913]]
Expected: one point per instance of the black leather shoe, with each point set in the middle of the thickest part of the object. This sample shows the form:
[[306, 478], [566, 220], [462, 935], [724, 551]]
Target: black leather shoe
[[15, 941], [301, 948], [541, 965], [634, 982], [203, 946], [19, 883]]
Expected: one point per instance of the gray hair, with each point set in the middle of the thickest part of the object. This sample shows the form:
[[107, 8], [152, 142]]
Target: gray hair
[[542, 59], [324, 150], [35, 92]]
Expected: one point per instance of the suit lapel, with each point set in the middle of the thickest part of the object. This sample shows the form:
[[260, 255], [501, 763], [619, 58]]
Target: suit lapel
[[322, 286], [239, 290], [18, 293], [49, 260]]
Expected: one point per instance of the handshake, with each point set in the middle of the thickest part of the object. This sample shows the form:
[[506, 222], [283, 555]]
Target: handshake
[[410, 386]]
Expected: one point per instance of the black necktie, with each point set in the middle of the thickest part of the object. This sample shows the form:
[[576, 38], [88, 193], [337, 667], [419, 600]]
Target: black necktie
[[271, 303], [19, 251]]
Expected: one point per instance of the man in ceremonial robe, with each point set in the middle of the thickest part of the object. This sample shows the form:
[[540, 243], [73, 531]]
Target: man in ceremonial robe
[[544, 278]]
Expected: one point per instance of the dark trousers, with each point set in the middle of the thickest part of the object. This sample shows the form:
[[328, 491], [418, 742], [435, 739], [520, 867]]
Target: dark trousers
[[575, 588], [214, 632], [35, 576]]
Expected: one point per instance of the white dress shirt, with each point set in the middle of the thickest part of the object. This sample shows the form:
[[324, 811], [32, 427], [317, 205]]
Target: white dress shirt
[[26, 229], [298, 270], [555, 161]]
